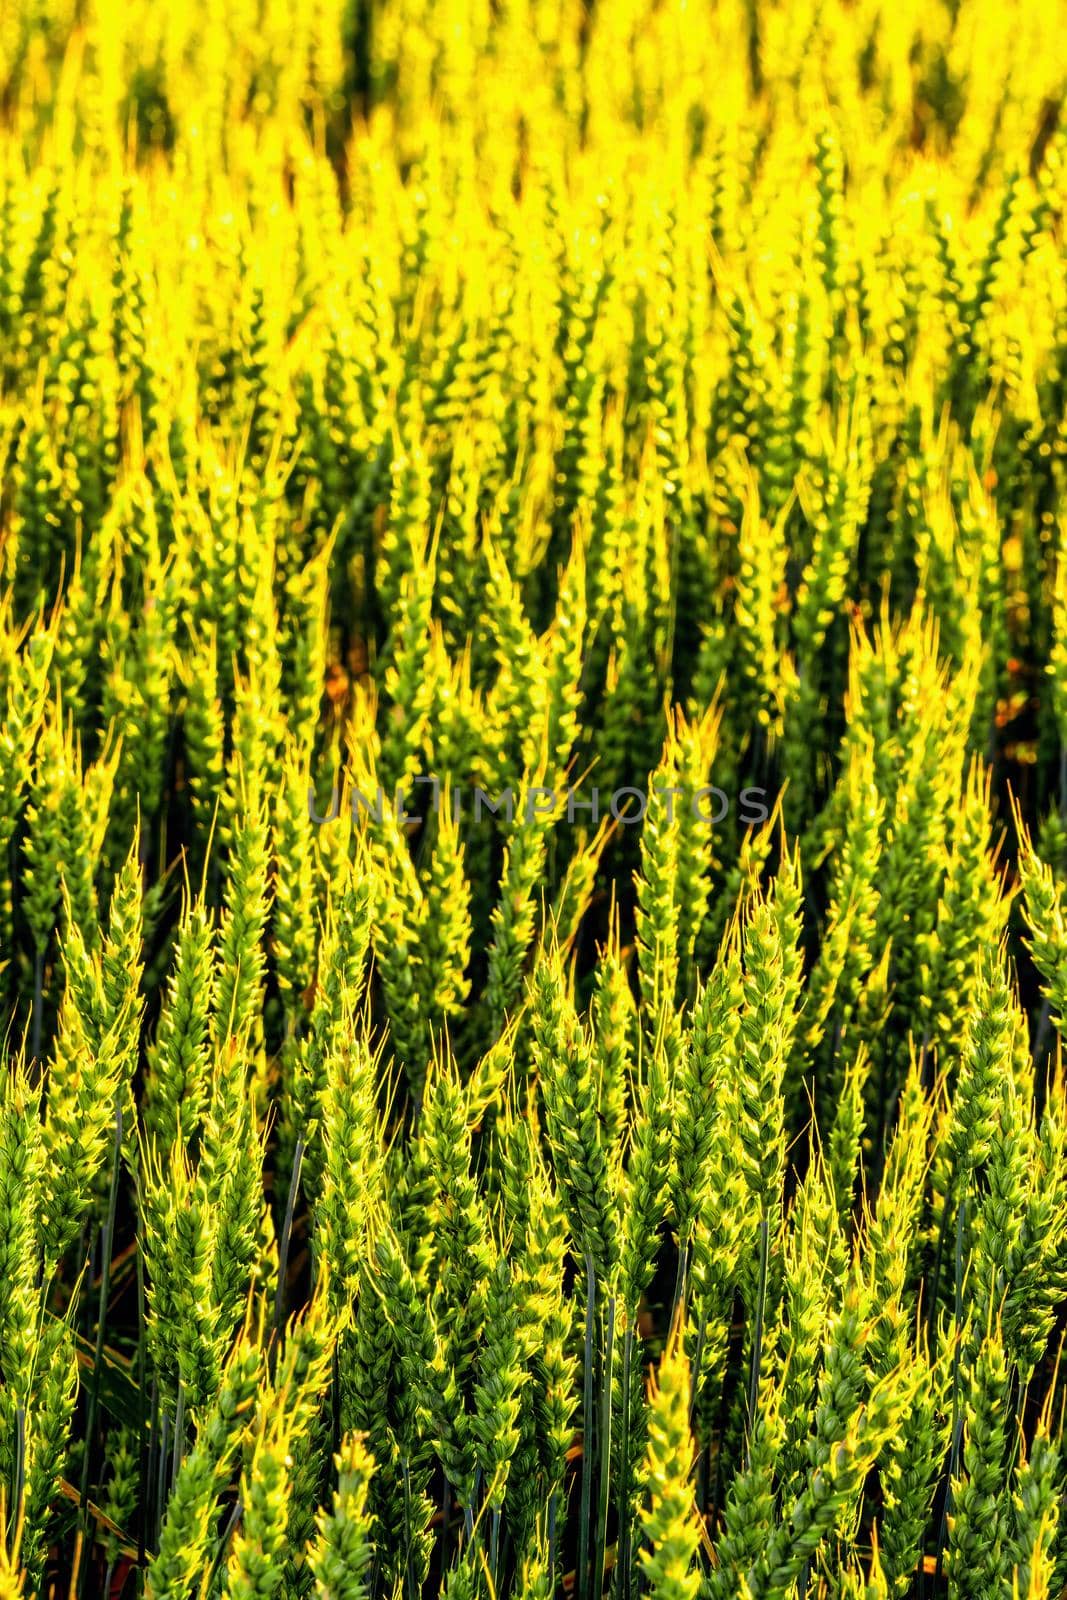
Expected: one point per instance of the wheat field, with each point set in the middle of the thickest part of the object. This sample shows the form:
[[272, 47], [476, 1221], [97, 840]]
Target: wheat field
[[533, 799]]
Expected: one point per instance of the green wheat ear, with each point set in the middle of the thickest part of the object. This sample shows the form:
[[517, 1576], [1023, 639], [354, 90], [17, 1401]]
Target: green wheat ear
[[670, 1526], [572, 1122], [176, 1085], [343, 1552]]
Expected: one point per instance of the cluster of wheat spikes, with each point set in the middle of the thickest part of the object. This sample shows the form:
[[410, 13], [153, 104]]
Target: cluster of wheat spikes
[[533, 395]]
